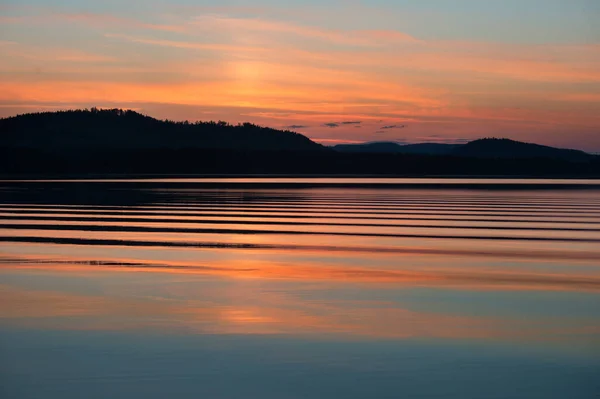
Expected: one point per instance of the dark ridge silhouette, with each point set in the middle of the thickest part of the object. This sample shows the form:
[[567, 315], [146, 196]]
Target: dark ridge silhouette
[[102, 142], [482, 148], [395, 148], [506, 148], [430, 148], [375, 147], [119, 129]]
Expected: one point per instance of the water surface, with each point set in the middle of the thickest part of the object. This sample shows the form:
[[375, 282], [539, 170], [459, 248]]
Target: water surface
[[300, 288]]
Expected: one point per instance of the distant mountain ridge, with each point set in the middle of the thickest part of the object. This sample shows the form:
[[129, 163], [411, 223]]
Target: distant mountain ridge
[[119, 142], [116, 129], [119, 129], [482, 148], [506, 148], [395, 148]]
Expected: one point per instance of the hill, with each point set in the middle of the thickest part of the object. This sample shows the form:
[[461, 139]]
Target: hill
[[121, 130], [482, 148], [121, 142], [375, 147], [506, 148], [395, 148]]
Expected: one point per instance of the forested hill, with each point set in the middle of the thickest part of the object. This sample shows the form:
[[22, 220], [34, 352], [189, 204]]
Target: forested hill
[[118, 129], [505, 148], [125, 142], [482, 148]]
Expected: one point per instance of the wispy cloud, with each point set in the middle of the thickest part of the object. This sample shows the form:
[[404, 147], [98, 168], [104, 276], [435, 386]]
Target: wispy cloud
[[279, 70], [184, 44], [336, 141], [340, 37], [343, 123], [393, 127], [296, 127], [56, 54]]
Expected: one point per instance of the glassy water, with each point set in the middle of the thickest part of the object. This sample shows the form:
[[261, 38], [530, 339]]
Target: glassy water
[[300, 288]]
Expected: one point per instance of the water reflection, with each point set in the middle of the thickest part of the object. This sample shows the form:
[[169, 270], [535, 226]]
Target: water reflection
[[193, 304], [404, 276]]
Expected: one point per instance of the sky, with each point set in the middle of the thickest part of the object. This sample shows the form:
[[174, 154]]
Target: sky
[[337, 71]]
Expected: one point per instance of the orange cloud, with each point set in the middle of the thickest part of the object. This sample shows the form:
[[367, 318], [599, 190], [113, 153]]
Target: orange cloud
[[64, 55], [282, 73], [187, 45], [342, 37], [241, 84]]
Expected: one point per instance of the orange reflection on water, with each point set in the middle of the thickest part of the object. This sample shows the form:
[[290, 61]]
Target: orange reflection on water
[[270, 313], [447, 272]]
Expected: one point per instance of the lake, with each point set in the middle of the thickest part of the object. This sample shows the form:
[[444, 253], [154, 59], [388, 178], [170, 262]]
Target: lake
[[300, 288]]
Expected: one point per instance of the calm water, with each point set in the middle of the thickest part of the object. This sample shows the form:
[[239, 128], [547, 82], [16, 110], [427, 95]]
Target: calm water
[[300, 288]]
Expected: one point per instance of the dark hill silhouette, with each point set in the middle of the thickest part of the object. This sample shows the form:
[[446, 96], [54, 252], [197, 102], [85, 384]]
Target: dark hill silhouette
[[482, 148], [395, 148], [375, 147], [118, 129], [430, 148], [506, 148], [114, 141]]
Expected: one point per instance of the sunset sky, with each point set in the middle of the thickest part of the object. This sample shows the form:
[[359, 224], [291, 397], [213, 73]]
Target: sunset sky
[[336, 71]]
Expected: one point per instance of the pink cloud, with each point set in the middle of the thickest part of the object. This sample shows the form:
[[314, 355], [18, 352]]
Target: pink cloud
[[283, 73]]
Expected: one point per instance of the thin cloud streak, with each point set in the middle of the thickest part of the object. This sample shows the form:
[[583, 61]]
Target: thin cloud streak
[[310, 69]]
